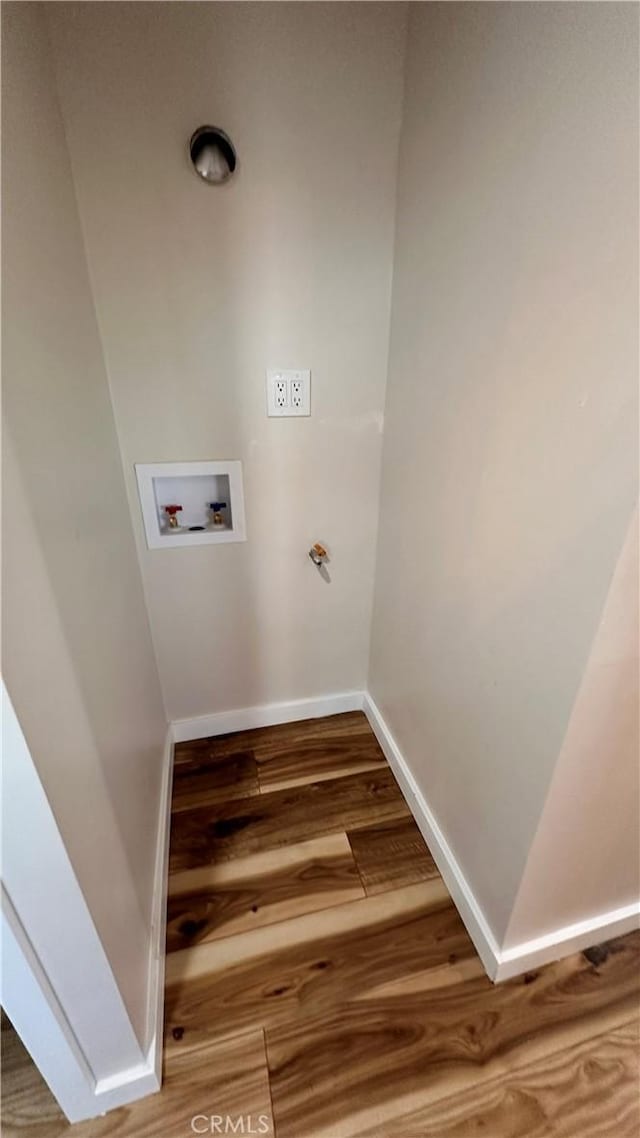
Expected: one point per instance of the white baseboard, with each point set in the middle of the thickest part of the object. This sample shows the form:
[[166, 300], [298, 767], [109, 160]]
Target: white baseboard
[[125, 1087], [571, 938], [442, 854], [500, 963], [246, 718], [146, 1078], [155, 1007]]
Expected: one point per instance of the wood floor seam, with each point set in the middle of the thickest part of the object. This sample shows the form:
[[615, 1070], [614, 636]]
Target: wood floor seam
[[359, 872], [266, 1060], [247, 825]]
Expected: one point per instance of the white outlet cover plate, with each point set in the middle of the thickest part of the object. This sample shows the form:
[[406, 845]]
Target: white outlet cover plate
[[288, 392]]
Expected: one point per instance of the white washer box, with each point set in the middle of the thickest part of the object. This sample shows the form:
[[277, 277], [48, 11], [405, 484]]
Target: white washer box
[[192, 485]]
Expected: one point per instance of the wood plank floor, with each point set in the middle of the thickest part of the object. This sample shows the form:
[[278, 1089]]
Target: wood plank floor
[[320, 983]]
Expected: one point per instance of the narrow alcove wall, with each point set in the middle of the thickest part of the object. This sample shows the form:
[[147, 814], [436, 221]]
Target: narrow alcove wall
[[77, 654], [508, 487], [200, 289]]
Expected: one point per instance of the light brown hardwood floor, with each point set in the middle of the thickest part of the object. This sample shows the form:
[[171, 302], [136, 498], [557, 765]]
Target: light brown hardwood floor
[[320, 983]]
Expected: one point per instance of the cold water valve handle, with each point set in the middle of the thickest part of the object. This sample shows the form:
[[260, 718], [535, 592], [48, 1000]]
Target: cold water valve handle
[[216, 509]]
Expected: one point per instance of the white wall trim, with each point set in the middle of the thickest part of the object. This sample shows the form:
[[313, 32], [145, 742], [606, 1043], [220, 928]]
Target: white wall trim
[[266, 715], [39, 1019], [453, 877], [500, 963], [571, 938], [40, 882], [40, 1022], [60, 993], [155, 1008], [146, 1078]]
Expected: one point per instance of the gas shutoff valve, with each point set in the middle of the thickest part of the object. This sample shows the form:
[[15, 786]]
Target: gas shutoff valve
[[318, 554]]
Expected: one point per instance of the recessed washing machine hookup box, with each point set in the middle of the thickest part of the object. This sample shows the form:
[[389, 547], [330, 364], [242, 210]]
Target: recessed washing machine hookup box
[[191, 503]]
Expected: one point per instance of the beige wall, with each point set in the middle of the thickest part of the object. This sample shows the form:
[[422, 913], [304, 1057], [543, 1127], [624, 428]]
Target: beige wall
[[78, 660], [510, 454], [199, 290], [585, 857]]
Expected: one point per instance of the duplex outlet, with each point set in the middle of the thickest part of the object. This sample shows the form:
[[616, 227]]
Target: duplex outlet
[[288, 393], [296, 392], [281, 393]]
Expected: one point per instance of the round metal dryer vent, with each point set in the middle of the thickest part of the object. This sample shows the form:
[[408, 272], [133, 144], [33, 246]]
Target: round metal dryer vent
[[212, 154]]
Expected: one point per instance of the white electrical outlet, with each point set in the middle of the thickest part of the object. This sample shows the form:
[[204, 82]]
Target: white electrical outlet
[[288, 392], [296, 392], [281, 393]]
